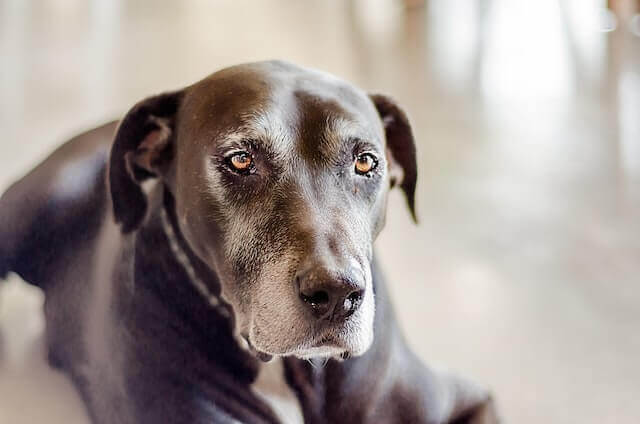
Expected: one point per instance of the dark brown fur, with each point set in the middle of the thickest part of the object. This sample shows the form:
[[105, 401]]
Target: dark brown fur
[[124, 320]]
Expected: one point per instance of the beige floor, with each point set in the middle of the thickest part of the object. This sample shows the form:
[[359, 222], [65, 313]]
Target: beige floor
[[524, 271]]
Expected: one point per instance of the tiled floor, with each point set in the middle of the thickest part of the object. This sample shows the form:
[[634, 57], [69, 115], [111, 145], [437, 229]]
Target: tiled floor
[[524, 271]]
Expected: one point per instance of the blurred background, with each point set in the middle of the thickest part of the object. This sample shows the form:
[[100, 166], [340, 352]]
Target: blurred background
[[524, 271]]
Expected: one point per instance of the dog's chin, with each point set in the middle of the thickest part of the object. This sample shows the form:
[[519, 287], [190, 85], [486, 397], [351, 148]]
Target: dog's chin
[[329, 347], [321, 352]]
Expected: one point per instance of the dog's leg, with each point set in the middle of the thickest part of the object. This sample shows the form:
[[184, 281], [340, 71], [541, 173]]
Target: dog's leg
[[484, 413], [464, 402]]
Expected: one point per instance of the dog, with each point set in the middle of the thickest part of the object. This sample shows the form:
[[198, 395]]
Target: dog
[[209, 258]]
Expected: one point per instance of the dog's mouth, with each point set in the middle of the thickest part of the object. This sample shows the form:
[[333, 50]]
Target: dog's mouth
[[325, 347]]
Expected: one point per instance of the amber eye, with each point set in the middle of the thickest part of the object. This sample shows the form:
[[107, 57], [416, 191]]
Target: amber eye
[[365, 163], [240, 161]]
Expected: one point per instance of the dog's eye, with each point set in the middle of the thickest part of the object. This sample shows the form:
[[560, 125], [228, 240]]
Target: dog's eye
[[365, 163], [240, 161]]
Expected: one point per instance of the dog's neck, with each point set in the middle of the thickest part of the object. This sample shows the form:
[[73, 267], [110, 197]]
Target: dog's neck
[[186, 258], [174, 310], [270, 382], [187, 288]]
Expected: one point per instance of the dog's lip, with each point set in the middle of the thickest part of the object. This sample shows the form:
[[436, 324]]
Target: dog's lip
[[327, 342], [326, 351], [323, 342], [263, 356], [306, 351]]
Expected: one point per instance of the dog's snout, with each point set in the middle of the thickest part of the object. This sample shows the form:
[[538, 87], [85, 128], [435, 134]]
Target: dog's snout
[[330, 295]]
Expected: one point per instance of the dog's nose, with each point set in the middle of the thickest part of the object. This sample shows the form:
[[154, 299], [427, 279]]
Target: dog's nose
[[330, 295]]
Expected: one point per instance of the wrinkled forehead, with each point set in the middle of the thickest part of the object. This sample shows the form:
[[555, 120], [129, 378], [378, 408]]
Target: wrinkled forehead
[[282, 106]]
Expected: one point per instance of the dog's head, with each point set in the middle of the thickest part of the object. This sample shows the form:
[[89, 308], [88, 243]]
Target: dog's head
[[280, 176]]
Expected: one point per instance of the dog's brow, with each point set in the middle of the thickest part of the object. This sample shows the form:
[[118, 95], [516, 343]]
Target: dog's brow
[[348, 129], [264, 128], [268, 131], [342, 133], [233, 138]]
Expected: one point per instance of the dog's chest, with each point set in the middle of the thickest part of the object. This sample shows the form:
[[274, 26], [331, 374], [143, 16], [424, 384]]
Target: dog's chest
[[272, 387]]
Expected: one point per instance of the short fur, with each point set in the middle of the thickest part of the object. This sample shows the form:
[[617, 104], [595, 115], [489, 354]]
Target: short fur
[[162, 300]]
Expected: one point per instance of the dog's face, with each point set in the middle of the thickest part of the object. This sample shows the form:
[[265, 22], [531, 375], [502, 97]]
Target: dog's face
[[280, 176]]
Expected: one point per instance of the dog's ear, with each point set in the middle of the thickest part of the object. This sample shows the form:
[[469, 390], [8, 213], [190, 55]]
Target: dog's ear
[[401, 149], [142, 148]]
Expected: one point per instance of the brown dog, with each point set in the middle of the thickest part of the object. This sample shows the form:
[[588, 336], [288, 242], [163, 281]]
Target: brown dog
[[253, 241]]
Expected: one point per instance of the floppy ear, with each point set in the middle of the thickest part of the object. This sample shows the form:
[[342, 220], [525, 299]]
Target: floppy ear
[[142, 148], [401, 149]]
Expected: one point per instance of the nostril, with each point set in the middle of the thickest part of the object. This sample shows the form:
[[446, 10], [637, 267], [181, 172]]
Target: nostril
[[352, 302], [317, 300], [355, 297]]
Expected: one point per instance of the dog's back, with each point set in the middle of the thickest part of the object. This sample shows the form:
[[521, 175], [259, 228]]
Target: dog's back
[[48, 223], [54, 208]]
